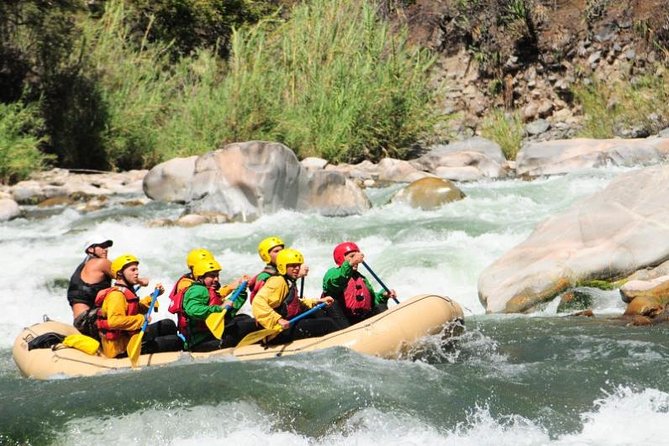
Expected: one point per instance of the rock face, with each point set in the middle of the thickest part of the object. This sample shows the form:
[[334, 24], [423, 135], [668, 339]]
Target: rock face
[[428, 193], [331, 194], [8, 209], [564, 156], [472, 159], [608, 235], [242, 181], [170, 181]]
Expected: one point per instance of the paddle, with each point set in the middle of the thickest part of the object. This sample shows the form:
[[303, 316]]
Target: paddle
[[259, 335], [216, 321], [379, 280], [134, 348]]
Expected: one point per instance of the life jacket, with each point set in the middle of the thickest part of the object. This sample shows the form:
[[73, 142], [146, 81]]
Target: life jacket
[[291, 306], [133, 309], [357, 298], [184, 324], [86, 292], [259, 280], [176, 296]]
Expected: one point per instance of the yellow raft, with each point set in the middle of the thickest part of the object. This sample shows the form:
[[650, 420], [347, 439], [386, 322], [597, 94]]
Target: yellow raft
[[386, 335]]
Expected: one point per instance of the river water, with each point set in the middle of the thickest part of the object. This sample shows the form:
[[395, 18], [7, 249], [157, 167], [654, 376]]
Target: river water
[[534, 379]]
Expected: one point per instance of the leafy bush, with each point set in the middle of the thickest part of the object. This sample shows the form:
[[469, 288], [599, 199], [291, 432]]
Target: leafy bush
[[19, 145], [506, 129], [331, 81], [612, 108]]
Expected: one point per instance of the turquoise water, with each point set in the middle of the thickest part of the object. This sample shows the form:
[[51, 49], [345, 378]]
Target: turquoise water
[[509, 379]]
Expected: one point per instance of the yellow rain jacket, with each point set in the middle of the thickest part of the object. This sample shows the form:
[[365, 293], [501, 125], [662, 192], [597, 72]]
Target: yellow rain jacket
[[270, 297], [115, 307]]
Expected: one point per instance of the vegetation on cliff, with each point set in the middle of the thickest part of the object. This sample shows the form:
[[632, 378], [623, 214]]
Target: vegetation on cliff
[[331, 81], [113, 84]]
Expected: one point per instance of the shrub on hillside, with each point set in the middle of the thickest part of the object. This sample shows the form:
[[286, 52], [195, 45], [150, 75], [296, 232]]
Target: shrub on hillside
[[19, 145]]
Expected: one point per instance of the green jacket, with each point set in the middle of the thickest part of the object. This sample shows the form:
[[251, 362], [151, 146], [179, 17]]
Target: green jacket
[[197, 309], [336, 279]]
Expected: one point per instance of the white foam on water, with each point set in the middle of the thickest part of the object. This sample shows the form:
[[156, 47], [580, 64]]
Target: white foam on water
[[413, 251], [624, 417]]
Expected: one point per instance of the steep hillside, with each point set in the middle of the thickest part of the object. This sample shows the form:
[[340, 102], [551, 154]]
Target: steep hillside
[[529, 55]]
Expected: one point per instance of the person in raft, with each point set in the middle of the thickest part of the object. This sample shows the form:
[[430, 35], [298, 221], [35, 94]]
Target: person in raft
[[121, 314], [355, 299], [268, 249], [194, 256], [278, 301], [90, 277], [202, 299]]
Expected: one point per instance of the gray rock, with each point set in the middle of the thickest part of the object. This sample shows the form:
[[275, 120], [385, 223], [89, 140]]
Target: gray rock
[[537, 127], [313, 163], [8, 209], [571, 155], [474, 158], [608, 235], [330, 193], [170, 181], [245, 180]]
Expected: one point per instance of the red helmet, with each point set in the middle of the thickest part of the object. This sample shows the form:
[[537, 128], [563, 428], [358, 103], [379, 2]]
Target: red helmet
[[342, 249]]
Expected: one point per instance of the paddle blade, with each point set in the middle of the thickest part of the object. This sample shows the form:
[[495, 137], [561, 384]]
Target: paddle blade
[[257, 336], [216, 323], [135, 348]]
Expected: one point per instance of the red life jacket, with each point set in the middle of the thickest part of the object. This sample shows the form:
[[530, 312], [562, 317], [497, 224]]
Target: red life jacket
[[259, 280], [182, 319], [133, 309], [357, 298], [177, 297], [291, 306]]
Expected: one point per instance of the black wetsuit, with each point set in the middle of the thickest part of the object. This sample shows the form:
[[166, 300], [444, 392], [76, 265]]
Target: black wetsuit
[[80, 292]]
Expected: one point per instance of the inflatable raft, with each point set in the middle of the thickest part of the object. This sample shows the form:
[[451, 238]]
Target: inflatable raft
[[386, 335]]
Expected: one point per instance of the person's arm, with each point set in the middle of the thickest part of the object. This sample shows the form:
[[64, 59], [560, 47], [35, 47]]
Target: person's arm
[[196, 303], [269, 297], [311, 303], [145, 302], [337, 278], [117, 317]]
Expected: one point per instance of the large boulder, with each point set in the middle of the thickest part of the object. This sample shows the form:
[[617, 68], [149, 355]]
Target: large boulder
[[8, 209], [472, 159], [392, 170], [571, 155], [242, 181], [171, 180], [245, 180], [608, 235], [330, 193], [428, 193]]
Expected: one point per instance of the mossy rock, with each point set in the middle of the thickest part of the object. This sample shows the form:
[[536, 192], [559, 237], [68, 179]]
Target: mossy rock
[[575, 300]]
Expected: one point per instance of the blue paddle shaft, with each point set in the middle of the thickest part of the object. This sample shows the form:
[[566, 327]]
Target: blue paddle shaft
[[307, 313], [378, 280], [237, 292], [154, 297]]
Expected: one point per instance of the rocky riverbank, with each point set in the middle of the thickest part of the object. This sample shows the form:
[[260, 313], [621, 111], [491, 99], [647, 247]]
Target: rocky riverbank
[[530, 59]]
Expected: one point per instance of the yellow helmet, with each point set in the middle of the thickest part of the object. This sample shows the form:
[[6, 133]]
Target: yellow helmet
[[120, 262], [286, 257], [197, 254], [205, 266], [267, 245]]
